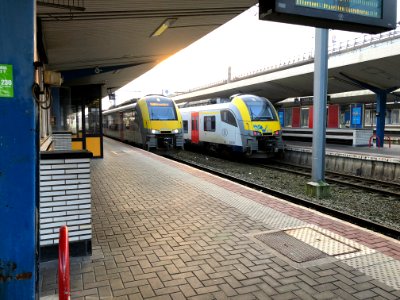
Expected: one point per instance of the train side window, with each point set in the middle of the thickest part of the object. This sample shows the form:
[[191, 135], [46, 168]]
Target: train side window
[[288, 117], [228, 117], [185, 126], [209, 123]]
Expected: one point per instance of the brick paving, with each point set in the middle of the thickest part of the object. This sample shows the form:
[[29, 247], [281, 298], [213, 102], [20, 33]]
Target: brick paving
[[162, 230]]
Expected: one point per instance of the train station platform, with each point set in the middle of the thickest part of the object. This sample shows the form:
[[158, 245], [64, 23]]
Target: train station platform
[[163, 230], [379, 163], [391, 152]]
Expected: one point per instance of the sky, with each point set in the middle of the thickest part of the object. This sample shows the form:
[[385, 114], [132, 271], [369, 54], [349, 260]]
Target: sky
[[243, 44]]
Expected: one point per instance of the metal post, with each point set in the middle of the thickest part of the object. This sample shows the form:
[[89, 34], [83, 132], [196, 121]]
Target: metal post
[[19, 144], [380, 117], [318, 187]]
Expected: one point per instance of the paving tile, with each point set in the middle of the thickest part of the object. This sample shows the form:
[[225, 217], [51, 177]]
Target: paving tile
[[167, 231]]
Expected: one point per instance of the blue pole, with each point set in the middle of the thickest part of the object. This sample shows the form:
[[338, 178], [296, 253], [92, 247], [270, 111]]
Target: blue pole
[[18, 153], [380, 117]]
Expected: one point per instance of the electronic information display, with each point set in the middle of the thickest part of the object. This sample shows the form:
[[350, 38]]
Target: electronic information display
[[369, 16], [366, 8]]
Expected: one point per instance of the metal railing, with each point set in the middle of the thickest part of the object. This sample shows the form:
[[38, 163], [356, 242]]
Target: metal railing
[[64, 292]]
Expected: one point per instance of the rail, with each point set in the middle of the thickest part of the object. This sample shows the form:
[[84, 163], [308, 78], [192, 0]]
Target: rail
[[64, 292]]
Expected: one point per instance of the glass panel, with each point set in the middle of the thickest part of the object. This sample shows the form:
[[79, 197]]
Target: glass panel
[[228, 117], [370, 117], [74, 121], [61, 109], [304, 117], [127, 117], [288, 117], [395, 117], [260, 109], [161, 109], [92, 117], [209, 123]]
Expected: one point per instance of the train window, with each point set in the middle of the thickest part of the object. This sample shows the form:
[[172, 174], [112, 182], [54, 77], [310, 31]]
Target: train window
[[395, 120], [185, 126], [260, 109], [128, 118], [228, 117], [288, 117], [161, 109], [209, 123], [370, 117], [304, 112]]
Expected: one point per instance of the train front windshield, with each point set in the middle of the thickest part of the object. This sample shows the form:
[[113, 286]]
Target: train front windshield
[[161, 109], [260, 109]]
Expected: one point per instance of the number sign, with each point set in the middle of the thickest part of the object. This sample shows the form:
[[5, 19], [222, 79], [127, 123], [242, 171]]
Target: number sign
[[6, 81]]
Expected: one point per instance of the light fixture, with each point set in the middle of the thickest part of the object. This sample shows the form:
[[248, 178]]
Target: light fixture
[[164, 26]]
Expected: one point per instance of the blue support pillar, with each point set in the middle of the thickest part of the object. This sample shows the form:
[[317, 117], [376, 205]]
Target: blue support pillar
[[381, 96], [18, 154], [380, 117]]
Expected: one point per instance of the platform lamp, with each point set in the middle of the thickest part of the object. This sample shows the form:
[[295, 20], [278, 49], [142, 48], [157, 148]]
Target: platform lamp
[[111, 96], [164, 26]]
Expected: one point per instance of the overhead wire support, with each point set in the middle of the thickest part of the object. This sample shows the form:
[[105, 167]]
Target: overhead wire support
[[78, 5]]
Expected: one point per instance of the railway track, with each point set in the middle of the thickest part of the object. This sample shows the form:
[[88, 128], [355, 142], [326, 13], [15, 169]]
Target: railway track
[[391, 189], [392, 232]]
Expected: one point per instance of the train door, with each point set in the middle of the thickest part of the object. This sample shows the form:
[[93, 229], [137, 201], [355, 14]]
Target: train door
[[310, 117], [296, 117], [333, 116], [229, 129], [195, 127]]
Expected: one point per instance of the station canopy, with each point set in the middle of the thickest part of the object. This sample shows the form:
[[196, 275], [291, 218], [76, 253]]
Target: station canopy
[[114, 42]]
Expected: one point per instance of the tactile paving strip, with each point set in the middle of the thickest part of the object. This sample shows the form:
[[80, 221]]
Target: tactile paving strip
[[321, 241], [388, 272]]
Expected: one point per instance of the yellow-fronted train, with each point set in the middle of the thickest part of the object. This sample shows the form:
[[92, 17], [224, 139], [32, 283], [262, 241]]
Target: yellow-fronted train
[[245, 124], [152, 122]]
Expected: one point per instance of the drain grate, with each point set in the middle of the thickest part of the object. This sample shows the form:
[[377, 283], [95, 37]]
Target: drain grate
[[290, 247]]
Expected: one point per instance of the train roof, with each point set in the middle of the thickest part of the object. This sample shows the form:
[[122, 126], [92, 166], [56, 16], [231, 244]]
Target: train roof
[[130, 104], [219, 106], [118, 109]]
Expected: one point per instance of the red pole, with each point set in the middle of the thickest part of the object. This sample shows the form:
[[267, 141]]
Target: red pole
[[63, 265]]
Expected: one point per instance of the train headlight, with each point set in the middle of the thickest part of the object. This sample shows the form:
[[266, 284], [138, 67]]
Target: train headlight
[[153, 131], [257, 133], [278, 132], [175, 131]]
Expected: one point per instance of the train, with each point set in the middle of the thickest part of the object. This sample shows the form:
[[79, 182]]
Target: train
[[152, 122], [244, 124], [348, 118]]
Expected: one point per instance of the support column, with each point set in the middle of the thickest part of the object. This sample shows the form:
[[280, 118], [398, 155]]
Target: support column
[[380, 117], [19, 144], [318, 187]]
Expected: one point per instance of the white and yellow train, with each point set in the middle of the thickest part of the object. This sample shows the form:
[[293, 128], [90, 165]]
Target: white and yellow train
[[153, 122], [246, 124]]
